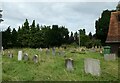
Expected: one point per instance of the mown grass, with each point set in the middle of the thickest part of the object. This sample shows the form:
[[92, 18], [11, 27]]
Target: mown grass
[[52, 68]]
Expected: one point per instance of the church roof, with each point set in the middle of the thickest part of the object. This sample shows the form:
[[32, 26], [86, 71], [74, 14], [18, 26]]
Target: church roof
[[114, 28]]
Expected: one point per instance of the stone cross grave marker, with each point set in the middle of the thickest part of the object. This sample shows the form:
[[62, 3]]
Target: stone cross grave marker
[[35, 58], [69, 64], [92, 66], [109, 57], [19, 55], [26, 57]]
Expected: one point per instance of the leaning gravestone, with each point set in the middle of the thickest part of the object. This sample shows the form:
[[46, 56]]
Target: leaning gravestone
[[69, 64], [35, 59], [19, 55], [92, 66], [25, 57], [109, 57]]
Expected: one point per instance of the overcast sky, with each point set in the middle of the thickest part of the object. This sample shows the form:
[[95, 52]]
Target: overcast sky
[[72, 15]]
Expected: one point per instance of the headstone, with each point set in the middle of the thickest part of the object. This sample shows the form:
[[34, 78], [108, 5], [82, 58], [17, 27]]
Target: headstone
[[2, 50], [35, 58], [95, 47], [92, 66], [40, 49], [60, 52], [69, 64], [25, 57], [101, 51], [53, 51], [10, 55], [19, 55], [47, 51], [109, 57]]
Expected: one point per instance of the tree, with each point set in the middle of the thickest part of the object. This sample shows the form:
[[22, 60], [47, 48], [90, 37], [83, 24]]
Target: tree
[[6, 38], [118, 6], [54, 36], [65, 34], [90, 35], [102, 26], [1, 16], [82, 31], [76, 38], [14, 38], [25, 34], [32, 35], [71, 38]]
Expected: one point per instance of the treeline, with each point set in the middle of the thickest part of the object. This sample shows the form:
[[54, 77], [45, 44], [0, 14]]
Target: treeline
[[48, 36], [35, 36]]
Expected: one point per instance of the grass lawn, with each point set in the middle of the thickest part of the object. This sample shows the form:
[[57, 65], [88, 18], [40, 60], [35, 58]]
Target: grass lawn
[[52, 68]]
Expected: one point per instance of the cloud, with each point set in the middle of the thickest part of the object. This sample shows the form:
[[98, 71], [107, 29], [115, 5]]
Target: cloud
[[74, 15]]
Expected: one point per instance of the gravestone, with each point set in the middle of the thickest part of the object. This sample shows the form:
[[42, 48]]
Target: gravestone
[[93, 49], [47, 51], [92, 66], [69, 64], [10, 55], [53, 51], [109, 57], [62, 53], [40, 49], [2, 50], [35, 58], [25, 57], [19, 55], [101, 51]]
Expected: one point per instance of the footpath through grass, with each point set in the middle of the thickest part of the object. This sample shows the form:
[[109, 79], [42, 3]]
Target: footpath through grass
[[52, 68]]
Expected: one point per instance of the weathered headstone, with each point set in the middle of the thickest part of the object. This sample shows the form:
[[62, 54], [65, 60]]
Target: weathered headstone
[[2, 50], [10, 55], [95, 47], [69, 64], [47, 51], [19, 55], [101, 51], [35, 58], [40, 49], [109, 57], [92, 66], [53, 51], [25, 57]]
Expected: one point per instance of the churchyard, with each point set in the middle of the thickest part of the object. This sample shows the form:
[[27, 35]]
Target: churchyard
[[81, 56], [58, 64]]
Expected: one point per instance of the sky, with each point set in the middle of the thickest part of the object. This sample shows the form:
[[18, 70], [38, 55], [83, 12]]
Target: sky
[[72, 15]]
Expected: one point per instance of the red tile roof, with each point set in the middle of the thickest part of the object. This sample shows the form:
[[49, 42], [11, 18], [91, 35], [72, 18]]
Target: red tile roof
[[114, 28]]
